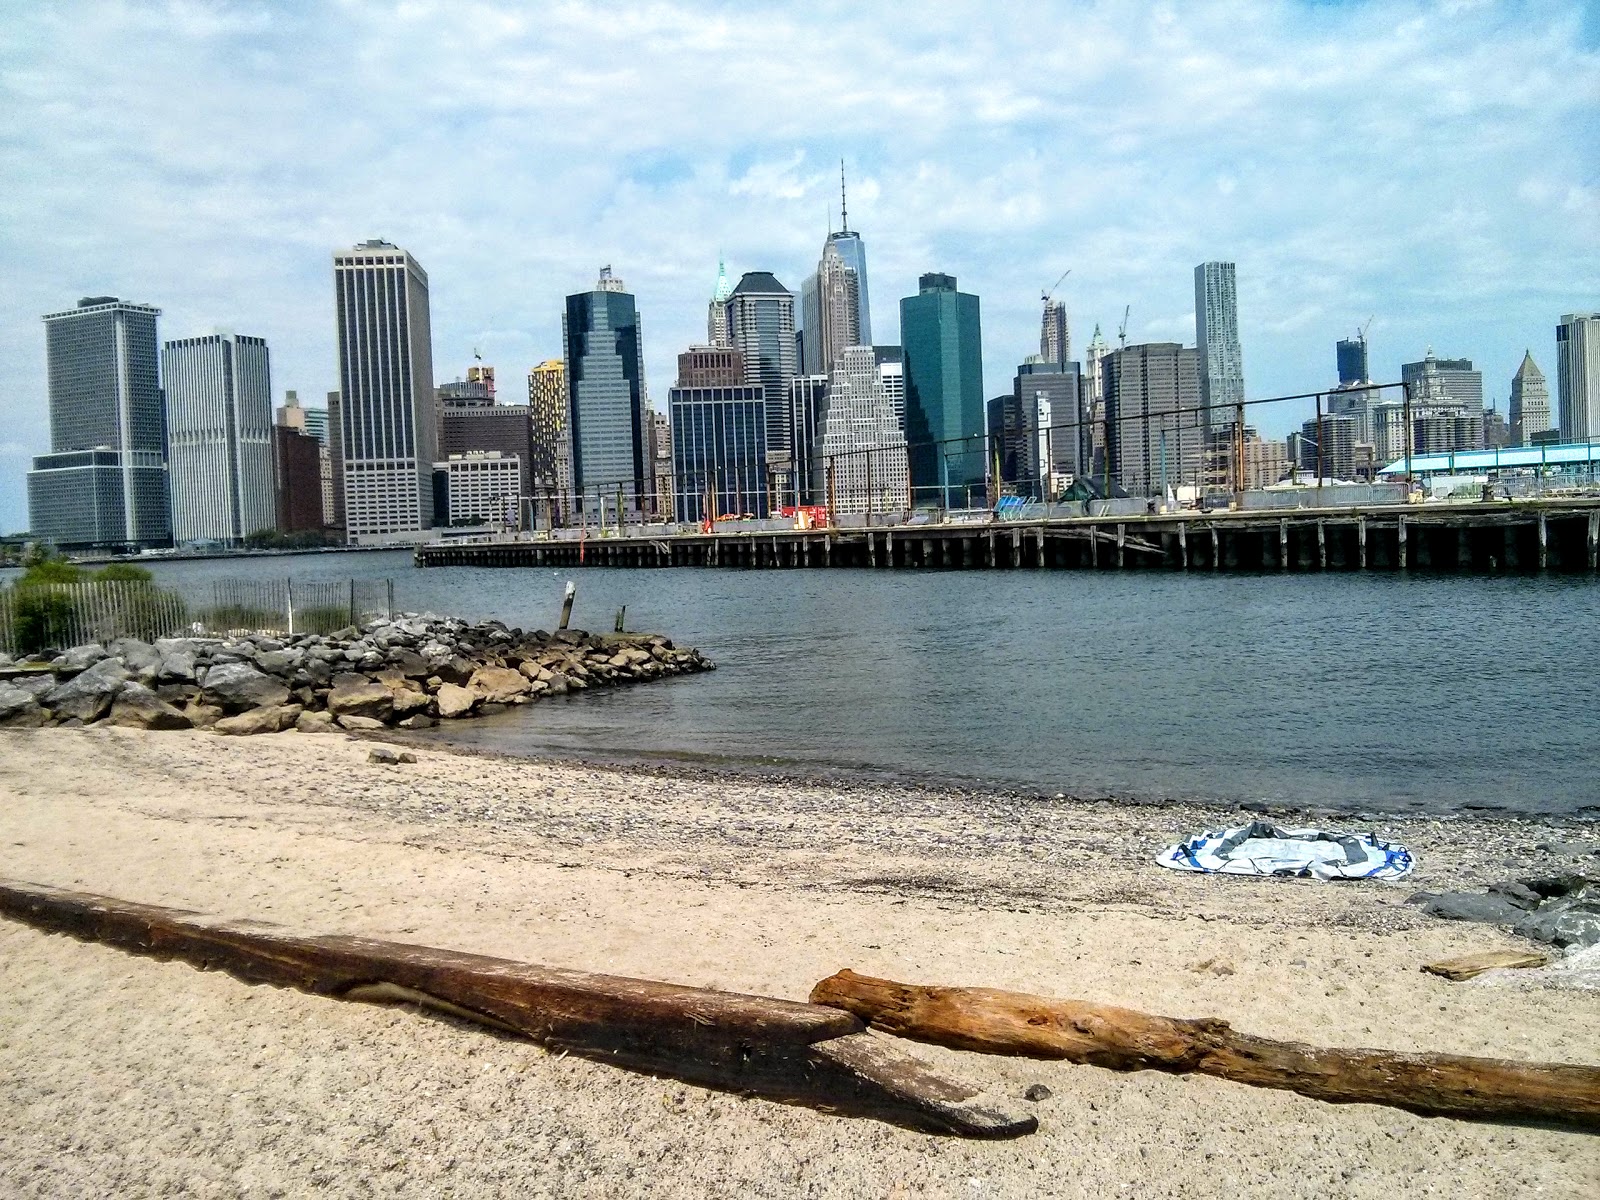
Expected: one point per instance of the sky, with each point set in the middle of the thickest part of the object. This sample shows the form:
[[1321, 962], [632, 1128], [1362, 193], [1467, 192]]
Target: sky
[[1432, 167]]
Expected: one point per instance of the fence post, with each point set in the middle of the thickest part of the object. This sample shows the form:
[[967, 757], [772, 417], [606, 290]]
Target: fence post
[[353, 603], [289, 592], [390, 598]]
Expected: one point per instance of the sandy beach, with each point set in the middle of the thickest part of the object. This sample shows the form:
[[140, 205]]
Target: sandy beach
[[120, 1076]]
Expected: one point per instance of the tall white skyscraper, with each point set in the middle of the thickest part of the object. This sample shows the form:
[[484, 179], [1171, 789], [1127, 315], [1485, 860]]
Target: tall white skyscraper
[[861, 454], [1578, 376], [388, 428], [1216, 334], [219, 437]]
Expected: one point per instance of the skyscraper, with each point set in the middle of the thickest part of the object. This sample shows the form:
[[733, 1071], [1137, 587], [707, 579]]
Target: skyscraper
[[219, 433], [945, 425], [761, 327], [1155, 433], [830, 310], [1055, 337], [1351, 355], [104, 483], [1578, 376], [547, 420], [853, 251], [388, 432], [1050, 398], [808, 408], [1447, 394], [1450, 381], [605, 398], [1353, 397], [1216, 332], [719, 430], [1530, 402], [299, 459], [862, 452], [1094, 404], [717, 332]]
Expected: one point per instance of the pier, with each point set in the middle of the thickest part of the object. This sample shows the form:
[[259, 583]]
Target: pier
[[1546, 535]]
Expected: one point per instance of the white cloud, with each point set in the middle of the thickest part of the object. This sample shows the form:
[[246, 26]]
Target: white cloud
[[1432, 164]]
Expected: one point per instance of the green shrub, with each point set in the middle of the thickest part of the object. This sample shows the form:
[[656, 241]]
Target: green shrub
[[42, 618]]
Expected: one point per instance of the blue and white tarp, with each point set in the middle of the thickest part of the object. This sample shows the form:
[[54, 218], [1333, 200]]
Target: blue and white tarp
[[1262, 848]]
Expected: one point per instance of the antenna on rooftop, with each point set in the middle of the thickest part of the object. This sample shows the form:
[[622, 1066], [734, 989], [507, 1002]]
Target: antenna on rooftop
[[844, 211]]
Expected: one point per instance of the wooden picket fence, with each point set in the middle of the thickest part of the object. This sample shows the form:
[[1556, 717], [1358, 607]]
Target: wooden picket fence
[[70, 614], [36, 616]]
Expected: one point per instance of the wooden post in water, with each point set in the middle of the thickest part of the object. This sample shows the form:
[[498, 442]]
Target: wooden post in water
[[1183, 543], [567, 598], [1361, 538], [1216, 554], [1122, 541], [1594, 542], [1322, 546], [622, 614], [1544, 541], [1283, 543], [1404, 561]]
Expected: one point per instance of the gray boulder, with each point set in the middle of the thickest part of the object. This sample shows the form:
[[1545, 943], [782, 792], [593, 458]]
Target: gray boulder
[[237, 686], [141, 658], [1465, 906], [280, 661], [19, 707], [179, 656], [409, 663], [1572, 920], [269, 718], [88, 696], [137, 707], [80, 658]]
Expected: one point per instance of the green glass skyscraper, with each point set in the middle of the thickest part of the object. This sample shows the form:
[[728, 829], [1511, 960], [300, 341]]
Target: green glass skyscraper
[[944, 391]]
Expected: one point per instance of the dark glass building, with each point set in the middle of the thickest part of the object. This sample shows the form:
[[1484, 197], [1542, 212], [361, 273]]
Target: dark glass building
[[719, 451], [1352, 356], [605, 398], [945, 426], [105, 398], [1051, 398]]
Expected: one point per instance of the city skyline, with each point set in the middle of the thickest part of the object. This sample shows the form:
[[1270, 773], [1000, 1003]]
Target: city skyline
[[1319, 199]]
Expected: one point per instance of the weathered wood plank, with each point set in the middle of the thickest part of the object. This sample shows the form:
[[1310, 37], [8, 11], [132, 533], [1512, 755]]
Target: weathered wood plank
[[1465, 966], [1001, 1022], [753, 1044]]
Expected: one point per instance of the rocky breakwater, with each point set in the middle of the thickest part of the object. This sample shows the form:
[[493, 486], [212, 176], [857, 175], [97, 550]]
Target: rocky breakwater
[[410, 672]]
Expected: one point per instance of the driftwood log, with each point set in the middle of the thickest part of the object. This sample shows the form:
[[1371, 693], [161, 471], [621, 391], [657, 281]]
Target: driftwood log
[[780, 1049], [1122, 1039]]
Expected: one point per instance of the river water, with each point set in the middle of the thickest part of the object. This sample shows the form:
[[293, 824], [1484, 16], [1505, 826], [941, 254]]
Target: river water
[[1350, 691]]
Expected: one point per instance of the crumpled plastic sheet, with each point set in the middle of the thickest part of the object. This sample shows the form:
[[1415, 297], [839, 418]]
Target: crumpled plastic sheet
[[1262, 848]]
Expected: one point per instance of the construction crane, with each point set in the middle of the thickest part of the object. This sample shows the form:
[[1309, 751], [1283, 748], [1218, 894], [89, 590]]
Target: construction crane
[[1122, 330], [1045, 296], [1362, 332]]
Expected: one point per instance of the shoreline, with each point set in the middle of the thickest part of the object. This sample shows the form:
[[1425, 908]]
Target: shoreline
[[700, 767], [121, 1075]]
